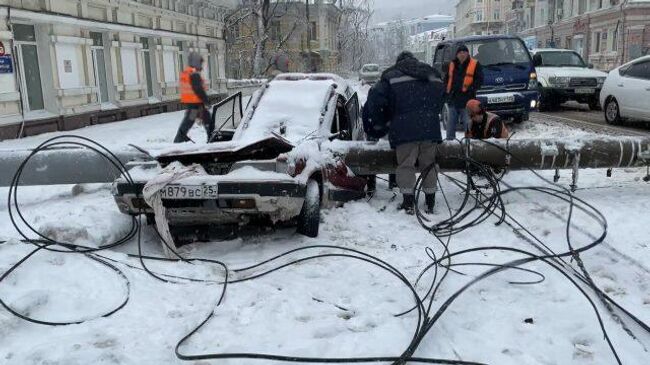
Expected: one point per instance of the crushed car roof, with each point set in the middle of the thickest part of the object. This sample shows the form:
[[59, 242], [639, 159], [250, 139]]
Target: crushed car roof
[[293, 109]]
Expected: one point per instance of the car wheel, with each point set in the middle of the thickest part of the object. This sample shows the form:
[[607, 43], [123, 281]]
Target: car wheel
[[309, 219], [594, 104], [612, 112]]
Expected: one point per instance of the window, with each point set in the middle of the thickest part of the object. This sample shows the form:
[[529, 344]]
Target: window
[[313, 31], [561, 59], [497, 14], [181, 64], [98, 39], [596, 41], [276, 30], [614, 41], [582, 6], [499, 51], [640, 70], [479, 15], [24, 32]]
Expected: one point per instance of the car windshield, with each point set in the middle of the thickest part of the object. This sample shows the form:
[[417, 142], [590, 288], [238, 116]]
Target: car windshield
[[371, 68], [497, 52], [561, 59]]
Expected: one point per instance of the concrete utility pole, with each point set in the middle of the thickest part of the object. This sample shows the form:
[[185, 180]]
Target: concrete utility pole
[[77, 165]]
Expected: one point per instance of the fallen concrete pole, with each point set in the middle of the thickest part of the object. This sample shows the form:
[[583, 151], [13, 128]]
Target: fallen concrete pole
[[366, 158], [81, 166], [60, 166]]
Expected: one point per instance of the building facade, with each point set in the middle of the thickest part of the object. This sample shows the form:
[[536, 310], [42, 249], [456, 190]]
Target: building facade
[[307, 35], [69, 63], [388, 39], [607, 33], [482, 17], [423, 45]]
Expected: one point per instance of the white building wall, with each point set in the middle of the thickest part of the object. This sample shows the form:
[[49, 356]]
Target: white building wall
[[65, 51]]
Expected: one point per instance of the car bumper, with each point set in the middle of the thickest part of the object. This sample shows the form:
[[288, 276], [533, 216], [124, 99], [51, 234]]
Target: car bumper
[[237, 202], [568, 93], [519, 108]]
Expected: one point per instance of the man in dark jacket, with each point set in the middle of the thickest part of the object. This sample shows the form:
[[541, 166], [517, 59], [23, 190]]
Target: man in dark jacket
[[405, 104], [463, 79], [195, 99]]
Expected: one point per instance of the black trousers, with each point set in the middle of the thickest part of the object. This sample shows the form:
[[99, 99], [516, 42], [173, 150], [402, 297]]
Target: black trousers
[[194, 112]]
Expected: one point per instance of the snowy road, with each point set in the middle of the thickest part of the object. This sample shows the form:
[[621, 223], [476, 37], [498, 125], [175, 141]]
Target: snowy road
[[330, 307]]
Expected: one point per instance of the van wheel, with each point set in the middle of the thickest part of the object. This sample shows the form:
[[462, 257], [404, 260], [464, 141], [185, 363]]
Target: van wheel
[[612, 112], [309, 219], [518, 120]]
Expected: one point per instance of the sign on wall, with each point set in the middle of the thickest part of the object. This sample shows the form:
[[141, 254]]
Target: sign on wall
[[6, 64], [68, 65]]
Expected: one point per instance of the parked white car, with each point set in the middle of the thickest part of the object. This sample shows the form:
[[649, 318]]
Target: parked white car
[[626, 93], [563, 76], [370, 74]]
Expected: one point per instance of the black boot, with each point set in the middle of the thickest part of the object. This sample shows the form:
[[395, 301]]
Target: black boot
[[430, 200], [408, 204]]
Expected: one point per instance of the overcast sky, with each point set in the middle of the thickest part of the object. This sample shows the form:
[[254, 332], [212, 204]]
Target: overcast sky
[[392, 9]]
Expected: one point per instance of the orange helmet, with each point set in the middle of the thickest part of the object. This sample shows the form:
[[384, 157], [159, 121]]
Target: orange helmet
[[475, 107]]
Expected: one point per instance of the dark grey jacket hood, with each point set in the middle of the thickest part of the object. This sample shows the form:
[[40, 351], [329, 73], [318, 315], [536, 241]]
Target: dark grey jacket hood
[[411, 66]]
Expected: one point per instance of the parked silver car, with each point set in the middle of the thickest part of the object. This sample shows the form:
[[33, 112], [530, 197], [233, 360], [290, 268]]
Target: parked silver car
[[370, 74]]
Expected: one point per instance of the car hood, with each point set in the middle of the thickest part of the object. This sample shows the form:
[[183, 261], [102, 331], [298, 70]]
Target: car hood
[[225, 152], [506, 75], [569, 72]]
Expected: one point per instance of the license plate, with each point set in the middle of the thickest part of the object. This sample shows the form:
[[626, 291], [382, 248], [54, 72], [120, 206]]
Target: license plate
[[501, 99], [585, 91], [189, 192]]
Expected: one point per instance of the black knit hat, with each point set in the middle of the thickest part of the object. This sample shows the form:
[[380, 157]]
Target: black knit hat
[[462, 48], [404, 55]]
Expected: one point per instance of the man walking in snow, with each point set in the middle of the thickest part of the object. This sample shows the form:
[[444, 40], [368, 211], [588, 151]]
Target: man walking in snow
[[406, 104], [195, 99]]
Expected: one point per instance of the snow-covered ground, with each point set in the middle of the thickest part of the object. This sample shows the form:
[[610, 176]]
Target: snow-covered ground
[[330, 307]]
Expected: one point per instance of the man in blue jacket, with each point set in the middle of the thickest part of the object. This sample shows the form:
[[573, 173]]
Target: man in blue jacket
[[406, 105]]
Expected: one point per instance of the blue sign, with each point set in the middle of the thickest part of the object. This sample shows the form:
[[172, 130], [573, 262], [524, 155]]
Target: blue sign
[[6, 65]]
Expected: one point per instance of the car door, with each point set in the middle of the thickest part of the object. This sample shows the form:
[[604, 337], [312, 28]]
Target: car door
[[438, 59], [635, 83], [643, 80], [629, 87], [352, 109]]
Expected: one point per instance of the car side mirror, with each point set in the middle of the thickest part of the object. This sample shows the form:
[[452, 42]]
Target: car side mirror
[[591, 65], [537, 60]]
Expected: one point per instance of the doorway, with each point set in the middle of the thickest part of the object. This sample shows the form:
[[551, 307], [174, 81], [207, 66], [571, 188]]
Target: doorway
[[29, 70]]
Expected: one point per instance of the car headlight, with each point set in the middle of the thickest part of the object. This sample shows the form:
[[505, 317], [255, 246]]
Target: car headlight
[[532, 81], [559, 81], [601, 81]]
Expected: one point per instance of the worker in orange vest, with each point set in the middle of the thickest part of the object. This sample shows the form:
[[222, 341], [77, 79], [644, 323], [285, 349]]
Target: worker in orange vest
[[483, 124], [463, 79], [195, 99]]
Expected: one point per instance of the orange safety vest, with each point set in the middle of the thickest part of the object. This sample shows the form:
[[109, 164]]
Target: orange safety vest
[[487, 129], [187, 94], [469, 75]]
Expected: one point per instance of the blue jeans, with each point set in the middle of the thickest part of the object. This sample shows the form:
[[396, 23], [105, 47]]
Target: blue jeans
[[456, 115]]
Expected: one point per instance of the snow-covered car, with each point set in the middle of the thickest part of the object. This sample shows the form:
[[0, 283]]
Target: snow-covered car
[[370, 74], [626, 93], [563, 76], [266, 165]]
